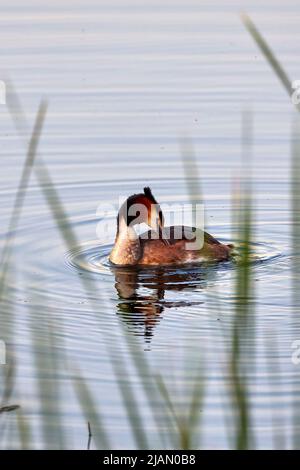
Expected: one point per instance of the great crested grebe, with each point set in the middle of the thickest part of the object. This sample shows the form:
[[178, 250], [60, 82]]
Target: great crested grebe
[[161, 245]]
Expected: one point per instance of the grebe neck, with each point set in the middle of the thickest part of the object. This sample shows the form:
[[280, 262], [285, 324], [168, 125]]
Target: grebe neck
[[127, 247]]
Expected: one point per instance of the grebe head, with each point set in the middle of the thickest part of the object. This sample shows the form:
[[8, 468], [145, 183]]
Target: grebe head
[[138, 209]]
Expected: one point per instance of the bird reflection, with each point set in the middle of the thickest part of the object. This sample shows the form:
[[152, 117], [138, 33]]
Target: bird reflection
[[142, 292]]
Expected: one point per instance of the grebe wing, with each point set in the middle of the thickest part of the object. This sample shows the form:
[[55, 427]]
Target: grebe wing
[[175, 233]]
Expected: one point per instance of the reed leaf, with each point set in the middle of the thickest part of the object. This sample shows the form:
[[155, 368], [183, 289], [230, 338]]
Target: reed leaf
[[267, 52]]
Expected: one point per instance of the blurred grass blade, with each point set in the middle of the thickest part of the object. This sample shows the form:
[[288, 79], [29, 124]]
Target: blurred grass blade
[[17, 113], [244, 315], [190, 167], [239, 338], [47, 364], [195, 405], [9, 379], [130, 403], [91, 411], [59, 214], [295, 183], [7, 330], [149, 387], [295, 209], [20, 196], [24, 431], [183, 441], [44, 178], [267, 52]]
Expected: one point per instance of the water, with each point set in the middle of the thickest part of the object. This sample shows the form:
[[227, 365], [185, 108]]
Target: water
[[125, 81]]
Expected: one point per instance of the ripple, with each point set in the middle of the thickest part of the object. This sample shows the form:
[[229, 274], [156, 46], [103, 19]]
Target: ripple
[[90, 257], [93, 257]]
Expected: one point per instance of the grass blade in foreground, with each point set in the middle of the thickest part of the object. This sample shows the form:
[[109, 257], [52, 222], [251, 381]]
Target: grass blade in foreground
[[58, 212], [244, 314], [19, 199], [7, 252], [295, 196], [264, 47], [295, 180]]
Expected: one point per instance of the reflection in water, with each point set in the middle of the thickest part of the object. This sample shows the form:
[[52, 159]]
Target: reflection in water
[[142, 293]]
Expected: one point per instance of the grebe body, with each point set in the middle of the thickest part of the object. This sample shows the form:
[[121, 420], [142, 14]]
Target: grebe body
[[161, 245]]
